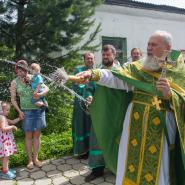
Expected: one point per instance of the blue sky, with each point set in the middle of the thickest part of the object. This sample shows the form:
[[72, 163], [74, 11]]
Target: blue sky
[[176, 3]]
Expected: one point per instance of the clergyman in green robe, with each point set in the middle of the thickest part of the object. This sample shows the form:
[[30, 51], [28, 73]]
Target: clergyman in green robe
[[143, 135], [96, 161], [81, 121]]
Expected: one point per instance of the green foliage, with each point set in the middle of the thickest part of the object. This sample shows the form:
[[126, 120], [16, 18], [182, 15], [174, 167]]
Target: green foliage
[[52, 146], [4, 85], [52, 33], [6, 52], [6, 71], [60, 111], [56, 145], [38, 28]]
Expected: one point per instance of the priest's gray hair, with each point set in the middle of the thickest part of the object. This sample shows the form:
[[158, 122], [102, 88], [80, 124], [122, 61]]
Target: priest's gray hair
[[166, 35]]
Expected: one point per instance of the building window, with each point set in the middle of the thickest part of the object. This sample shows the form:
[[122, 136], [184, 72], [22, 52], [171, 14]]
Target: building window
[[121, 47]]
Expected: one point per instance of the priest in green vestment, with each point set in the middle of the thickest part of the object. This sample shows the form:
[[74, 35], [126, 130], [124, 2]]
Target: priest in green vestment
[[96, 161], [81, 121], [142, 131]]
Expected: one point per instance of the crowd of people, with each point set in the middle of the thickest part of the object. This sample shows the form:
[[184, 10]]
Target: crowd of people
[[132, 121], [137, 114], [85, 144]]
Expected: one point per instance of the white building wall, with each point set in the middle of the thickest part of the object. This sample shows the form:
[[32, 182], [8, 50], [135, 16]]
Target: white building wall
[[136, 25]]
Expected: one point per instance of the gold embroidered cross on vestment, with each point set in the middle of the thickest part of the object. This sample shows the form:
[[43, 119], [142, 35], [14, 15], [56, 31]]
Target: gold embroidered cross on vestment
[[156, 102]]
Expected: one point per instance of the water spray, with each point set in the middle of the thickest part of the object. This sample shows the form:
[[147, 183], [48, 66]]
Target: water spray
[[59, 78]]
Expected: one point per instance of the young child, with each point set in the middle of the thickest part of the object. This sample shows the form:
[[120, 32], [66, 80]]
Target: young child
[[36, 84], [7, 143]]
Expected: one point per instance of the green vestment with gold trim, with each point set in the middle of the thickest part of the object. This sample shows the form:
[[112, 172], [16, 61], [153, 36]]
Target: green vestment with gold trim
[[145, 139]]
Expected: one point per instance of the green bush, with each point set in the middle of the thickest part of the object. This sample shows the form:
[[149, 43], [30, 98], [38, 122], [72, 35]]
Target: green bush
[[52, 146], [60, 111]]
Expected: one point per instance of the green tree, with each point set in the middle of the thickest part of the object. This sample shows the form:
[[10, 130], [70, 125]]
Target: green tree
[[50, 32], [47, 29]]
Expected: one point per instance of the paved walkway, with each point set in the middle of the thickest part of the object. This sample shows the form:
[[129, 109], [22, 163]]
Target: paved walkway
[[64, 171]]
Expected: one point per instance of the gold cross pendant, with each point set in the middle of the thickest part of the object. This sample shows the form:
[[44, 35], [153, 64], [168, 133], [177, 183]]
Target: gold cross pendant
[[156, 102]]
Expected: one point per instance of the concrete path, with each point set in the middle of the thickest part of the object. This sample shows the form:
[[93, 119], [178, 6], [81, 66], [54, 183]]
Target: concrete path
[[64, 171]]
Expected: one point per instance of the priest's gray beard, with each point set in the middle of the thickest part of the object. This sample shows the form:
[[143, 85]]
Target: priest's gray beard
[[150, 63]]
